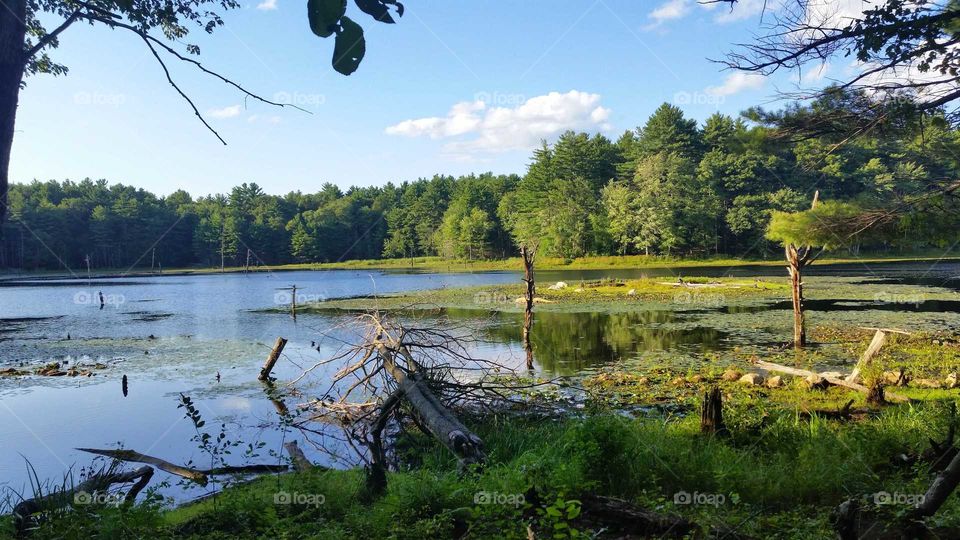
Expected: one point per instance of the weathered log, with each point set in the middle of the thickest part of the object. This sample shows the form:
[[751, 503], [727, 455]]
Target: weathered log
[[58, 499], [843, 413], [879, 338], [432, 414], [300, 461], [942, 487], [199, 476], [770, 366], [628, 518], [711, 413], [272, 359]]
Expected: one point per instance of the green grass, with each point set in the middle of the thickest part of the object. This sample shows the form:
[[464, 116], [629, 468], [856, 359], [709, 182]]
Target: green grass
[[778, 476]]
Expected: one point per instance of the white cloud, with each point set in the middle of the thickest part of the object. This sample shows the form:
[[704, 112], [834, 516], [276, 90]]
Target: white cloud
[[744, 9], [254, 118], [737, 82], [835, 13], [668, 11], [226, 112], [482, 128], [267, 5], [813, 74]]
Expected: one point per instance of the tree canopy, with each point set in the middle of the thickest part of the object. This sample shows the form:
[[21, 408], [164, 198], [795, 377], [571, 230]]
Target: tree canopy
[[715, 193]]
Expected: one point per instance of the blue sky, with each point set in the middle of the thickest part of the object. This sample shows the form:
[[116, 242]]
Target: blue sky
[[453, 88]]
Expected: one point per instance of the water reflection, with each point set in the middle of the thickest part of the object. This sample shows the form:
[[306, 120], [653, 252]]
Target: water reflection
[[566, 343]]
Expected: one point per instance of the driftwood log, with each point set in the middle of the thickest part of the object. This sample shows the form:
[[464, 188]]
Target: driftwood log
[[770, 366], [200, 476], [630, 519], [24, 510], [877, 343]]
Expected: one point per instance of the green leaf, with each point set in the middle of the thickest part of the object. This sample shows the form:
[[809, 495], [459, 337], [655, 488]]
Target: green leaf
[[379, 9], [324, 15], [350, 47]]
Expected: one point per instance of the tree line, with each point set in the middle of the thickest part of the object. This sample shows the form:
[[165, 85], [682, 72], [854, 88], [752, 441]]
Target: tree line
[[670, 187]]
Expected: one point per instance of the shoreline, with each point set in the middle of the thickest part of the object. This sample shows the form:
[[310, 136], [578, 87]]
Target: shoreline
[[449, 266]]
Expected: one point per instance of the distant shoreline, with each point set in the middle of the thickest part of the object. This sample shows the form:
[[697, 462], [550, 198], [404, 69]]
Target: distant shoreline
[[440, 265]]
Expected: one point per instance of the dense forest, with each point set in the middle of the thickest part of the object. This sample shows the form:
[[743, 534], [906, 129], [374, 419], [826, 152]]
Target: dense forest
[[670, 187]]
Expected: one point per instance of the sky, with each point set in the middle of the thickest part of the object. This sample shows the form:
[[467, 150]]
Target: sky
[[452, 88]]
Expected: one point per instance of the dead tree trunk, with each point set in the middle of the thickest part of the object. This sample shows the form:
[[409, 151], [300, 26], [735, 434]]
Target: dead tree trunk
[[199, 476], [942, 487], [795, 269], [879, 338], [58, 499], [711, 414], [432, 414], [272, 359], [528, 254], [797, 259]]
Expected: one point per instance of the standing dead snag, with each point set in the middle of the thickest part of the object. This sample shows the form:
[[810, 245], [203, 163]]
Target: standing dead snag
[[528, 254], [272, 359], [797, 259]]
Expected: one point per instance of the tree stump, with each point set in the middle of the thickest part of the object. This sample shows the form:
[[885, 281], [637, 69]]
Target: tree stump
[[711, 414]]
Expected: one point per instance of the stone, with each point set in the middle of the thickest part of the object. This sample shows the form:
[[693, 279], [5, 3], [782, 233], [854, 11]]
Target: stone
[[775, 382], [558, 285], [753, 379], [632, 292], [951, 380], [897, 378], [731, 375], [816, 382]]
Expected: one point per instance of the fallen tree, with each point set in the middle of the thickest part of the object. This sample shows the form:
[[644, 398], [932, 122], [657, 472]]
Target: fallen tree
[[200, 476], [81, 493], [837, 381]]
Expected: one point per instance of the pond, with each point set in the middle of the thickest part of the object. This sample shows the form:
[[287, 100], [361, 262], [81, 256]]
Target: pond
[[206, 336]]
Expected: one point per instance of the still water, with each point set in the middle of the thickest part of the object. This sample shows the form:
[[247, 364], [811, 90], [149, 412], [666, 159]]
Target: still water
[[203, 336]]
